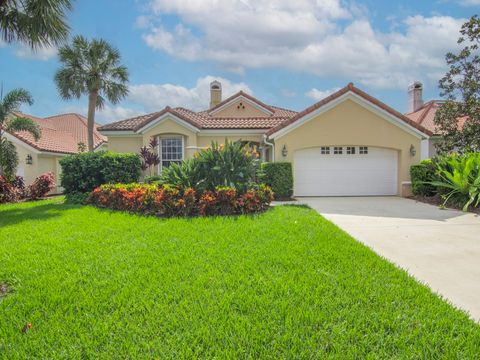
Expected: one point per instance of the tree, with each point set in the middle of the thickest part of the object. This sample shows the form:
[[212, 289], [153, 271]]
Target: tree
[[91, 69], [8, 122], [461, 87], [37, 23]]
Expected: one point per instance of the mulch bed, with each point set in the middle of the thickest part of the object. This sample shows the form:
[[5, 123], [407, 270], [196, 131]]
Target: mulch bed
[[438, 201]]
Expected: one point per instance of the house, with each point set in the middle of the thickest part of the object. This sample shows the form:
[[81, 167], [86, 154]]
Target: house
[[61, 136], [345, 145], [423, 113]]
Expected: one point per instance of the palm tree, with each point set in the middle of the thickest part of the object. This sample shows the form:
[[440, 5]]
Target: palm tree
[[37, 23], [9, 122], [92, 69]]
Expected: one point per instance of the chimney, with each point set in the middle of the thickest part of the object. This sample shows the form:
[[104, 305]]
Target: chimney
[[215, 93], [415, 97]]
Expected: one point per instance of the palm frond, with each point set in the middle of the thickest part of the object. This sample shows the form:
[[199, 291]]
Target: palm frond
[[8, 158], [14, 99], [24, 124]]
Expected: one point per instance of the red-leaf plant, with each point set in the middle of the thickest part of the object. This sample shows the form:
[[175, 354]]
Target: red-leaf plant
[[149, 156]]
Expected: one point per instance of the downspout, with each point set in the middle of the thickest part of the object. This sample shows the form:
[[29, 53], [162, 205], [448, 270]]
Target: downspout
[[269, 144]]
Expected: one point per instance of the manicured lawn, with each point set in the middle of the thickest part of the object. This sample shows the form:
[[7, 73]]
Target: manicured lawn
[[284, 284]]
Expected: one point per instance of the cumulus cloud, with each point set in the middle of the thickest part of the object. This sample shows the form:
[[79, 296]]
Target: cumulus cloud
[[146, 98], [304, 35], [44, 53], [317, 94], [154, 97]]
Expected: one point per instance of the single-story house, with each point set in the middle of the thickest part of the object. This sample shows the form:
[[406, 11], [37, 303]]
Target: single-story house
[[348, 144], [61, 136]]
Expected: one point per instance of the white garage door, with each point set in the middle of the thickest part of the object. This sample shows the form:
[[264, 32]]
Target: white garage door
[[345, 171]]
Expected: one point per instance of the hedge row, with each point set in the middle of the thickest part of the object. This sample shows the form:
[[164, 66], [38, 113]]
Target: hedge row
[[81, 173], [279, 177], [171, 201]]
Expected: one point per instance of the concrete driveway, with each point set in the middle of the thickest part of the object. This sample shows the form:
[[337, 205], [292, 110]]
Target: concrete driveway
[[438, 247]]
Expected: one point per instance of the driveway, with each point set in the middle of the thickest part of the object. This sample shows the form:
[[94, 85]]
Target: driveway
[[438, 247]]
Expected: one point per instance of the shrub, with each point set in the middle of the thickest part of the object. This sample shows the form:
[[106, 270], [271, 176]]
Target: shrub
[[41, 186], [422, 175], [11, 191], [279, 177], [459, 177], [188, 173], [234, 165], [170, 201], [81, 173]]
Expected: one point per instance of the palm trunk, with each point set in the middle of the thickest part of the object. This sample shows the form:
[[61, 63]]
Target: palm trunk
[[92, 104]]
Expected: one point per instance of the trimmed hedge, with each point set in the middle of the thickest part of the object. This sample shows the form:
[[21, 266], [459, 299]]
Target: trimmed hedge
[[81, 173], [168, 201], [421, 175], [278, 176]]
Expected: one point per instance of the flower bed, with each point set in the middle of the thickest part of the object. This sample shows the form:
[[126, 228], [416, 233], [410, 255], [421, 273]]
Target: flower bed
[[14, 190], [168, 201]]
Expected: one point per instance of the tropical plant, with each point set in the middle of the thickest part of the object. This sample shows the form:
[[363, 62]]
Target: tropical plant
[[234, 164], [34, 22], [41, 186], [91, 68], [458, 119], [459, 175], [149, 156], [10, 122], [188, 174]]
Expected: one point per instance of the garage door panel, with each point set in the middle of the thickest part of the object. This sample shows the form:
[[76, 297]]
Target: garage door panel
[[357, 174]]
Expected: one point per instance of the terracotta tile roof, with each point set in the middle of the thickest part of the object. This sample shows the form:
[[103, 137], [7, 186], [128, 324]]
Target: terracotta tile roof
[[425, 116], [60, 133], [349, 88], [204, 120]]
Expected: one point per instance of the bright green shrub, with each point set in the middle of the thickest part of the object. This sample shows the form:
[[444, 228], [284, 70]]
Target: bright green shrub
[[459, 178], [422, 175], [81, 173], [233, 164], [279, 177]]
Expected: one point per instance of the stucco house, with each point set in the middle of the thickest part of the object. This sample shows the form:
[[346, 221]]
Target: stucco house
[[423, 113], [344, 145], [61, 135]]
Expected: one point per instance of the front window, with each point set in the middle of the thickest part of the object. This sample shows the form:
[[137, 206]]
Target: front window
[[338, 150], [171, 150]]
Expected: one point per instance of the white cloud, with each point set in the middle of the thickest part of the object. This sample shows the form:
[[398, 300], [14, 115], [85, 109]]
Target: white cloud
[[317, 95], [469, 2], [306, 36], [146, 98], [154, 97], [44, 53]]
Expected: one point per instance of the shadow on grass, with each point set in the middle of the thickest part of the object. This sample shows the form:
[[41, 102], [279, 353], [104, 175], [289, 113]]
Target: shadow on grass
[[18, 215]]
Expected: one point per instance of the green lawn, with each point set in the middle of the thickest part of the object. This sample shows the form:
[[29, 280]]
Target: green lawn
[[284, 284]]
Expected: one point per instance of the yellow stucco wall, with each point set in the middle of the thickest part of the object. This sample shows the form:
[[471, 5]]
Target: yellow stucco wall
[[351, 124], [205, 141], [233, 111], [124, 144]]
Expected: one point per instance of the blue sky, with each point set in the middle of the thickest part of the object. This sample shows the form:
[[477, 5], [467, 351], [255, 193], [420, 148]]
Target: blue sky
[[286, 53]]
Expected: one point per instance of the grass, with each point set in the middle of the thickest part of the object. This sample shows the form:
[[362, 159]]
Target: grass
[[284, 284]]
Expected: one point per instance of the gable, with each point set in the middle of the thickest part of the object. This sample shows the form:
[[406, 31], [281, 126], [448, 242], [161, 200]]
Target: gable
[[363, 100], [241, 108], [168, 125]]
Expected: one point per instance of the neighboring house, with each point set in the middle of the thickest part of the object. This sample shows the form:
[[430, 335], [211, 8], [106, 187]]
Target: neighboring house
[[347, 144], [61, 135], [424, 115]]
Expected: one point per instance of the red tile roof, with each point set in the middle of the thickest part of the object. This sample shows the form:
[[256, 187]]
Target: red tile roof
[[425, 116], [205, 120], [60, 133], [349, 88], [278, 119]]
